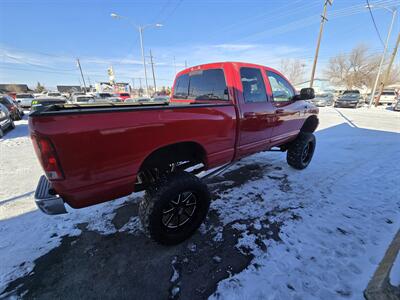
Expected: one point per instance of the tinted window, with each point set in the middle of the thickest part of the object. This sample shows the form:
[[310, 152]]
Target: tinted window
[[282, 91], [24, 96], [105, 95], [208, 85], [253, 85], [181, 88]]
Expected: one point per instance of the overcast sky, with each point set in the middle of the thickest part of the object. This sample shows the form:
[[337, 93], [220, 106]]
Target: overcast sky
[[40, 40]]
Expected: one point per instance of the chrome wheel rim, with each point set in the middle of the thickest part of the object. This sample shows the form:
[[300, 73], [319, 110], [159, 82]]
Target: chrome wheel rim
[[180, 210], [305, 156]]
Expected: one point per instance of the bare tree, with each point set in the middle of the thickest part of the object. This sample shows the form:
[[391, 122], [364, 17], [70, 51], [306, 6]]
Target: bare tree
[[355, 69], [293, 70]]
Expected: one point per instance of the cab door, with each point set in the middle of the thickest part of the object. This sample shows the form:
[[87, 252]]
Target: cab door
[[256, 119], [289, 114]]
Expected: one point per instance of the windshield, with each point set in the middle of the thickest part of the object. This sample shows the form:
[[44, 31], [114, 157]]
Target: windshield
[[388, 93], [350, 97], [19, 96], [351, 92], [54, 94], [124, 94], [105, 95]]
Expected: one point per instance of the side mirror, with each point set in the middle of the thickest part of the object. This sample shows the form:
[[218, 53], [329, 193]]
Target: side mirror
[[307, 93]]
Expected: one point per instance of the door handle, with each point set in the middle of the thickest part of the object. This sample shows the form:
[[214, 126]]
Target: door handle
[[279, 111], [249, 115]]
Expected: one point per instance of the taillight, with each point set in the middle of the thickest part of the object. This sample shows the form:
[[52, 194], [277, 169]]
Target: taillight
[[48, 158]]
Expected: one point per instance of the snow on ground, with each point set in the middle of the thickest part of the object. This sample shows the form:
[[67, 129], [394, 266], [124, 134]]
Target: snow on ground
[[338, 216], [349, 208]]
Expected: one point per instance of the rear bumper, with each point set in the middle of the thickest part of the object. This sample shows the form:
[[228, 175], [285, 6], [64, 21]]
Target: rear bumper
[[46, 201]]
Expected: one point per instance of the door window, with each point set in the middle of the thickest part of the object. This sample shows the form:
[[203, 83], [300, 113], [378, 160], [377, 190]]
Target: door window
[[282, 91], [253, 85]]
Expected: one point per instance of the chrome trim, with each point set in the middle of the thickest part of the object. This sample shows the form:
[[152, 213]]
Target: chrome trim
[[46, 202]]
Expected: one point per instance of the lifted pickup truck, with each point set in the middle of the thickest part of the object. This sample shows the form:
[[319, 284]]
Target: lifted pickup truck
[[217, 114]]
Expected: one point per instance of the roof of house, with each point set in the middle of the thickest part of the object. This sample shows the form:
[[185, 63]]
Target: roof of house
[[14, 88]]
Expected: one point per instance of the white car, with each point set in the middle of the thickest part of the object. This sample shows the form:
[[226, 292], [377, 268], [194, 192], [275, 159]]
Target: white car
[[24, 99], [82, 99], [54, 94], [388, 97]]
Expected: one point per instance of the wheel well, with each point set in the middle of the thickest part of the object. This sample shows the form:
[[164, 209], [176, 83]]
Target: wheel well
[[190, 152], [310, 124]]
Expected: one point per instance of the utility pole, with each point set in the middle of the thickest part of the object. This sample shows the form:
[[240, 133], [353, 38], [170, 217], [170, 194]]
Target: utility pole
[[394, 12], [144, 59], [185, 64], [140, 86], [385, 79], [80, 69], [174, 66], [321, 29], [152, 69]]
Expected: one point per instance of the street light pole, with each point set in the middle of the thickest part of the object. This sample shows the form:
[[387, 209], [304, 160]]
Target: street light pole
[[140, 29], [143, 57], [394, 12]]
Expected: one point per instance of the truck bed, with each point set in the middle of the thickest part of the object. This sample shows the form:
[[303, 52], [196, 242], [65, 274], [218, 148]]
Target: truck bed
[[102, 147]]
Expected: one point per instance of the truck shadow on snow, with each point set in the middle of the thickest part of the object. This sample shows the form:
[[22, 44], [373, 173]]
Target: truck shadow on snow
[[125, 265]]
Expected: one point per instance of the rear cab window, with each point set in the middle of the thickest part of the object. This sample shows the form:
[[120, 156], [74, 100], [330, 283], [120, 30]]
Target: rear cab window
[[202, 85], [253, 85]]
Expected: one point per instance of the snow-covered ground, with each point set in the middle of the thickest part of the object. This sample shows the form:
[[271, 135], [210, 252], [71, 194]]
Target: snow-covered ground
[[338, 216]]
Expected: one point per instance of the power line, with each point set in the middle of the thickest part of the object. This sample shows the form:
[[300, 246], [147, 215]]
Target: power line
[[373, 21]]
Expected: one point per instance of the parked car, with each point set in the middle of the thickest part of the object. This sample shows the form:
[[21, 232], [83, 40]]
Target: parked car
[[122, 95], [19, 107], [95, 154], [396, 106], [103, 95], [82, 99], [160, 99], [25, 99], [353, 100], [6, 121], [42, 103], [325, 99], [388, 97], [12, 107], [138, 99]]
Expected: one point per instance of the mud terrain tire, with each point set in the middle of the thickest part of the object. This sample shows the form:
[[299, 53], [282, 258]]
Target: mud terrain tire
[[301, 151], [180, 194]]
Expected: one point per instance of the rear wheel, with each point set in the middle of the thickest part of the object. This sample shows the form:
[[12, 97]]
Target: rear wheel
[[1, 133], [174, 208], [12, 124], [301, 151]]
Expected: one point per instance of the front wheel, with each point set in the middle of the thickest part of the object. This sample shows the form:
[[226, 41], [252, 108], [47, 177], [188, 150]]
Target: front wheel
[[174, 208], [301, 151]]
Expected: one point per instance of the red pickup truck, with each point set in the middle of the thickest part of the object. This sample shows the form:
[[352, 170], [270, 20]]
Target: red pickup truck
[[217, 114]]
